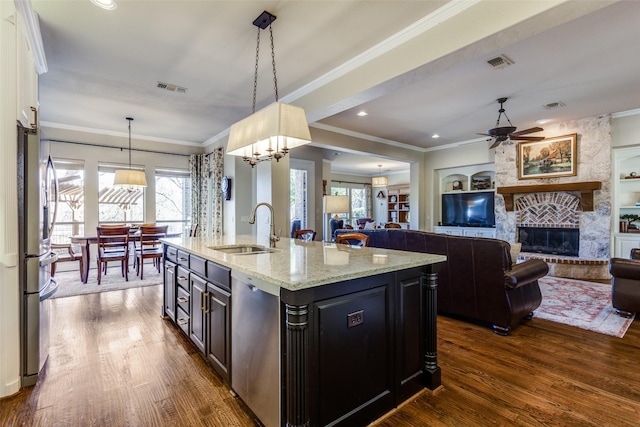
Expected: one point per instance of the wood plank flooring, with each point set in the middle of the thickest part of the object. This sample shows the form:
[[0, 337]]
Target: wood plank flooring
[[115, 362]]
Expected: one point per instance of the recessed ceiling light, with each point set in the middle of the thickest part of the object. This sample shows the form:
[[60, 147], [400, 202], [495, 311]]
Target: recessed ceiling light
[[542, 121], [362, 113], [105, 4], [435, 136]]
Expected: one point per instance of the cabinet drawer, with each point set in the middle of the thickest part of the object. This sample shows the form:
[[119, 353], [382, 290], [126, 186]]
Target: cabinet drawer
[[198, 265], [182, 278], [183, 258], [171, 253], [183, 299], [182, 320], [219, 275]]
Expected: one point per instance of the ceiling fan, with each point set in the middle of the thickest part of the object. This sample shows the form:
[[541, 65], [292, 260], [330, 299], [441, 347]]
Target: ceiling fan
[[501, 134]]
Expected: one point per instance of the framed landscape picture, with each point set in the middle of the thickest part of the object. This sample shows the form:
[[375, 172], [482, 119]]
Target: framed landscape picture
[[549, 158]]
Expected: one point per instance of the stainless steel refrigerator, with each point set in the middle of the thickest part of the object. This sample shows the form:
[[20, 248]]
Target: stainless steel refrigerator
[[37, 198]]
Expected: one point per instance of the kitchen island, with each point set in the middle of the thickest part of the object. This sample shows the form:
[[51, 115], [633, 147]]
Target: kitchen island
[[308, 333]]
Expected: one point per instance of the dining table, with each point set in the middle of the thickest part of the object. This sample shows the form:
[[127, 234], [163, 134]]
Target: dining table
[[85, 243]]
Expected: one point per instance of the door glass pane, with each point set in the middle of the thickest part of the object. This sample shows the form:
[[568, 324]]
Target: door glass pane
[[173, 200], [70, 213]]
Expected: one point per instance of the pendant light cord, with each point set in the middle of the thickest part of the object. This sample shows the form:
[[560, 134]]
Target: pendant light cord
[[255, 74], [130, 119]]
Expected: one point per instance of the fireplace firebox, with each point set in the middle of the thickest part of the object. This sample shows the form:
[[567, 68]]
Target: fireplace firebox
[[554, 241]]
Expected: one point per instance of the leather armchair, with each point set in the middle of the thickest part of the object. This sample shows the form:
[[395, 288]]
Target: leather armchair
[[625, 284]]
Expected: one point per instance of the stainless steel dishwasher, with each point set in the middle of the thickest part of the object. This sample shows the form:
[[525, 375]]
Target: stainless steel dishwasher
[[255, 346]]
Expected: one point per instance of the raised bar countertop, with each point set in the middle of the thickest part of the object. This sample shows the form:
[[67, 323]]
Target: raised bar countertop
[[297, 264]]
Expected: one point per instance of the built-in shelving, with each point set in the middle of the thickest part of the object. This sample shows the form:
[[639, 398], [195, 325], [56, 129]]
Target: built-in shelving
[[398, 205], [626, 193]]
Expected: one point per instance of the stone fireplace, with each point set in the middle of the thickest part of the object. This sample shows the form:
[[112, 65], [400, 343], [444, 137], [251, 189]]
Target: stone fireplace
[[557, 223], [549, 223]]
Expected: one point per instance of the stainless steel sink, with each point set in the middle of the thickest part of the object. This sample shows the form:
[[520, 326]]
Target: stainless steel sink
[[243, 249]]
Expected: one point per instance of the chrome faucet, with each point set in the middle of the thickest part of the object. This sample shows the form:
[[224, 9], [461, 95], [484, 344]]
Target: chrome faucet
[[273, 238]]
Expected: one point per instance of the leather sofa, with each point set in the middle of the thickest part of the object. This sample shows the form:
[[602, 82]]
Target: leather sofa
[[478, 281], [625, 284]]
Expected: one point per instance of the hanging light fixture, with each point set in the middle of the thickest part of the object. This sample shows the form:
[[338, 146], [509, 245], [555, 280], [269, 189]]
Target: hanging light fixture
[[379, 181], [271, 132], [131, 178]]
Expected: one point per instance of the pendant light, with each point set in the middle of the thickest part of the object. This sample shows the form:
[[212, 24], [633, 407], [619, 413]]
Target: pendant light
[[271, 132], [131, 178], [379, 181]]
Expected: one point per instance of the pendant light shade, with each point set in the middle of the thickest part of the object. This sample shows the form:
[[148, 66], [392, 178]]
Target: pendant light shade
[[131, 178], [271, 132], [379, 181]]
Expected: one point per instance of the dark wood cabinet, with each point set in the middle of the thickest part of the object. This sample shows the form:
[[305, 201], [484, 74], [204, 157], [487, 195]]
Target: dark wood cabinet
[[200, 299], [198, 288], [218, 328], [170, 290]]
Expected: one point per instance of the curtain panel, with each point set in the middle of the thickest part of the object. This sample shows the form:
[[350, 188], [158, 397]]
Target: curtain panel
[[368, 200], [206, 199]]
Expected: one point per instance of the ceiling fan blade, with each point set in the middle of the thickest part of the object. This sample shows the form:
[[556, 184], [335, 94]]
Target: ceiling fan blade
[[530, 130], [526, 138], [484, 134], [495, 144]]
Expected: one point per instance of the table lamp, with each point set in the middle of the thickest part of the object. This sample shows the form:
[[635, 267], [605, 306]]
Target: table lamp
[[334, 204]]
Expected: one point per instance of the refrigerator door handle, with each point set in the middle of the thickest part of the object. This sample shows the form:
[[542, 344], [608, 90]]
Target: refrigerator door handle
[[51, 183], [50, 259]]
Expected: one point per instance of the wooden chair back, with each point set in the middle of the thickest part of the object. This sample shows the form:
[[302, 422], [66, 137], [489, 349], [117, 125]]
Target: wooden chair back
[[113, 238], [113, 245], [353, 239], [193, 230], [392, 225], [305, 234]]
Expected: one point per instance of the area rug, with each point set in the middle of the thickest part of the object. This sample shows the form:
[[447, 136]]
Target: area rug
[[586, 305], [69, 283]]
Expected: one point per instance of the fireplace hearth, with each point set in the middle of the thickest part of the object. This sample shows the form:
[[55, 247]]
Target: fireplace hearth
[[553, 241]]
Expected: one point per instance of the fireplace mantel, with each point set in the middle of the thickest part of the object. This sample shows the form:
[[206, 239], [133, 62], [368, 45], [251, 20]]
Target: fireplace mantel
[[586, 190]]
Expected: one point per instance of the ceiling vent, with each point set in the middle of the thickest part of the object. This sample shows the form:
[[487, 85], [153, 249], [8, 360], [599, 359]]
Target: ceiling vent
[[552, 105], [500, 62], [171, 87]]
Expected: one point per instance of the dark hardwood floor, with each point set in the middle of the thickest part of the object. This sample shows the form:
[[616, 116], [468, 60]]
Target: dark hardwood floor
[[115, 362]]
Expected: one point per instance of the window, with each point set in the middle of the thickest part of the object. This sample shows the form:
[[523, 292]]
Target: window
[[173, 200], [298, 199], [70, 214], [357, 201], [116, 204]]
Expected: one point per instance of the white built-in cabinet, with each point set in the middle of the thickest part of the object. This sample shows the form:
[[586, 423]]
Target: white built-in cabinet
[[27, 84], [465, 179], [626, 198], [466, 231]]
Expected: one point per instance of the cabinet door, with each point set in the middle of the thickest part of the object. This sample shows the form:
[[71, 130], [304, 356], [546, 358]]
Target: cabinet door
[[218, 328], [170, 290], [27, 78], [198, 310], [624, 244]]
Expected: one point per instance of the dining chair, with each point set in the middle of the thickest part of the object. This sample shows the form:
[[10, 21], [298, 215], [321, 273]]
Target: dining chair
[[353, 239], [113, 245], [392, 225], [66, 253], [305, 234], [149, 246]]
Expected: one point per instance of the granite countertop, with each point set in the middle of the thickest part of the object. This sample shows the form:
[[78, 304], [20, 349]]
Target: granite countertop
[[297, 264]]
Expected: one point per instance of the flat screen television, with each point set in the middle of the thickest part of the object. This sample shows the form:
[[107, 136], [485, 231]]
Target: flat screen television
[[469, 209]]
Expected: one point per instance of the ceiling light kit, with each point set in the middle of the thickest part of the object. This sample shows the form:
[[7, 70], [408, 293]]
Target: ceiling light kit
[[507, 134], [130, 178], [379, 181], [271, 132]]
